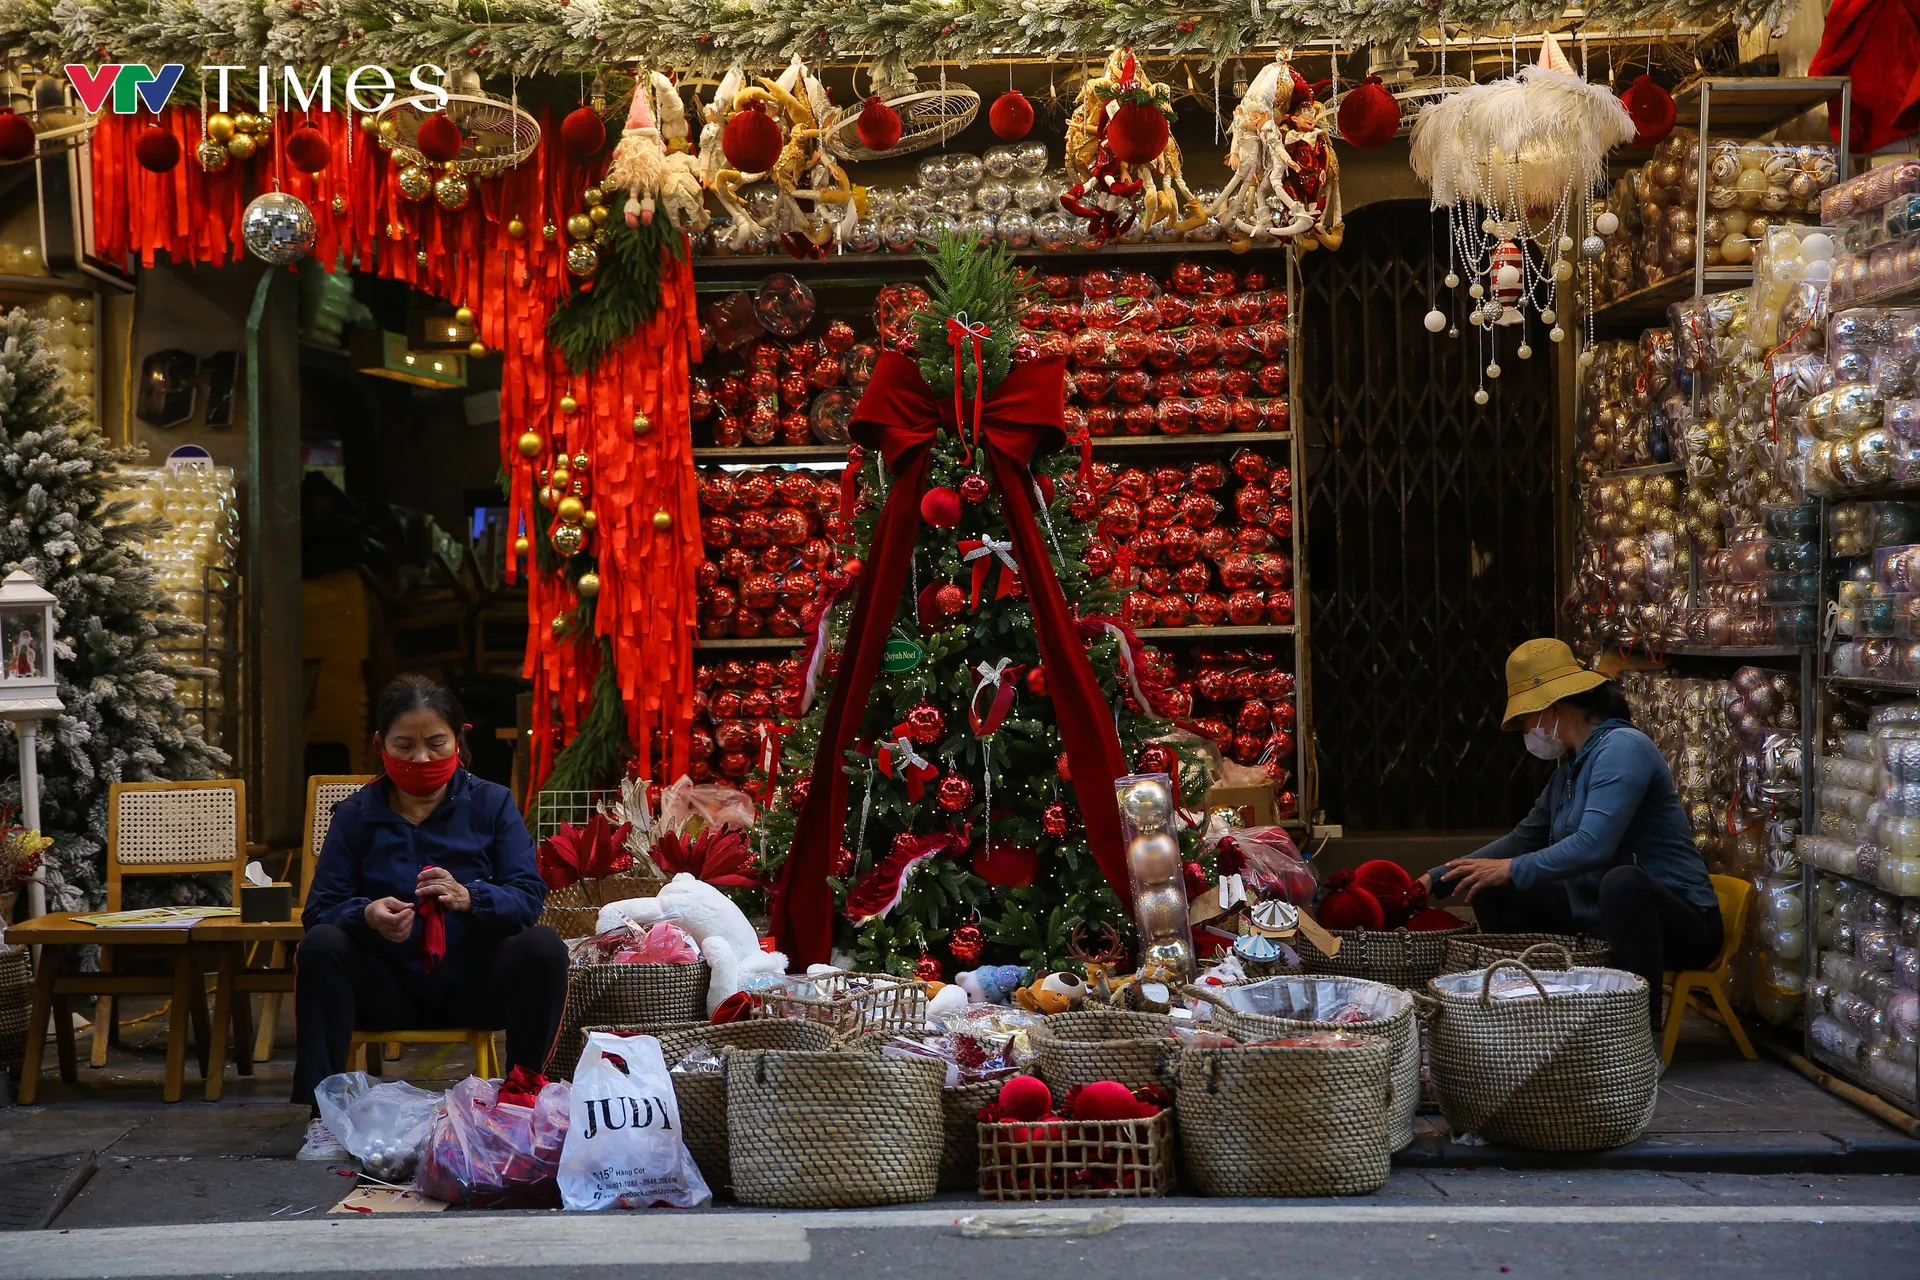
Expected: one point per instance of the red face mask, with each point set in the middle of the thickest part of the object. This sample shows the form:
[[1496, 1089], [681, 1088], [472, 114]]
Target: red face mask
[[420, 777]]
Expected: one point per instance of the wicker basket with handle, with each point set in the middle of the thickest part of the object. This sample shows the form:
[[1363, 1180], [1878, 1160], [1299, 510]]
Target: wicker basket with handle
[[1557, 949], [574, 912], [1397, 957], [641, 996], [1085, 1045], [960, 1106], [853, 1004]]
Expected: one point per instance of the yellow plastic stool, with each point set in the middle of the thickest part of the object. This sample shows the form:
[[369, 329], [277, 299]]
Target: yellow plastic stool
[[1735, 896], [486, 1059]]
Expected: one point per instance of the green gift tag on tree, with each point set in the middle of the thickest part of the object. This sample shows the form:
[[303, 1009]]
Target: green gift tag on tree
[[900, 656]]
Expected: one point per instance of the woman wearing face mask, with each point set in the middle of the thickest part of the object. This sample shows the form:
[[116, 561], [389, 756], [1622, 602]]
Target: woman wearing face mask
[[1606, 850], [423, 906]]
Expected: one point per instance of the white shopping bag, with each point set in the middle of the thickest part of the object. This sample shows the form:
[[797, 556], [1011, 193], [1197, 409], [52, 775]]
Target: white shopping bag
[[624, 1148]]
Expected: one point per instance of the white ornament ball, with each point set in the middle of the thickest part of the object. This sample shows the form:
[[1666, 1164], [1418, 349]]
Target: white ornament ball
[[1817, 247], [1475, 316], [1476, 290], [1507, 277], [1493, 370], [1547, 316], [1524, 351], [1487, 225], [1436, 321], [1452, 280], [1607, 223], [1480, 396], [1565, 244], [1563, 270], [1556, 334], [278, 228]]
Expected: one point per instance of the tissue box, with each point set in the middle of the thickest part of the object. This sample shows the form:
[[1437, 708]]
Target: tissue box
[[265, 903]]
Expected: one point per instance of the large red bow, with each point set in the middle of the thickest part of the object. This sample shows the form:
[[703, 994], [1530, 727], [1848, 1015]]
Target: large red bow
[[1019, 421]]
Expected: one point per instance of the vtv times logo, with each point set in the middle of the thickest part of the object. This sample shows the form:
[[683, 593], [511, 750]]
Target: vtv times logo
[[131, 87]]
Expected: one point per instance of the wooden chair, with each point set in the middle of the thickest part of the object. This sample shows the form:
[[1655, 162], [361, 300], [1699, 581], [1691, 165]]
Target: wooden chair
[[1735, 896], [486, 1057], [168, 829], [324, 792]]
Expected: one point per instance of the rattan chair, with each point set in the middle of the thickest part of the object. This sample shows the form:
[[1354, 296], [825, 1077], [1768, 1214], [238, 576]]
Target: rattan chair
[[168, 829]]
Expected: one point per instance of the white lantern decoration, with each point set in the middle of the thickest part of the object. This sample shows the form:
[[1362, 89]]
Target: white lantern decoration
[[29, 691]]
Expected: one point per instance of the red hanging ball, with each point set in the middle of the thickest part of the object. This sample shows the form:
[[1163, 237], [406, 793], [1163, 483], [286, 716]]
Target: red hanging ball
[[1004, 864], [940, 508], [1157, 758], [583, 132], [843, 863], [927, 969], [1369, 116], [878, 125], [309, 149], [1011, 115], [439, 138], [156, 149], [1137, 133], [1056, 820], [1390, 886], [966, 944], [949, 600], [954, 793], [1037, 681], [1652, 110], [16, 135], [926, 726], [751, 141], [975, 488]]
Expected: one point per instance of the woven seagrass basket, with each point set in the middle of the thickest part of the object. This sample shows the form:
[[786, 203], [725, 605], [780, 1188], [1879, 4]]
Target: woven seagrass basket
[[1561, 950], [1077, 1159], [1086, 1045], [852, 1004], [640, 996], [574, 912], [832, 1130], [16, 989], [1561, 1070], [959, 1115], [1396, 957], [1400, 1029], [1285, 1121]]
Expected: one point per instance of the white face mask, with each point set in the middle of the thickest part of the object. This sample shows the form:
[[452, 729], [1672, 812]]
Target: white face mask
[[1545, 743]]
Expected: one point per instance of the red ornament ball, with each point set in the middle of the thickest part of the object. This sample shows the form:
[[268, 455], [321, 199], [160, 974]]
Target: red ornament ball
[[309, 149], [949, 600], [1345, 905], [1109, 1100], [1011, 116], [1026, 1098], [16, 136], [1369, 115], [954, 793], [1056, 820], [966, 944], [843, 863], [1652, 110], [583, 132], [1037, 681], [439, 138], [1390, 886], [157, 150], [940, 507], [975, 488], [751, 141], [878, 126], [927, 969], [1137, 133], [925, 724], [1156, 758]]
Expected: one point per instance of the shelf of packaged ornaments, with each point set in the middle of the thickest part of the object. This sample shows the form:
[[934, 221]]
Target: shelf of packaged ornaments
[[1647, 308], [1747, 653], [752, 455], [1161, 634]]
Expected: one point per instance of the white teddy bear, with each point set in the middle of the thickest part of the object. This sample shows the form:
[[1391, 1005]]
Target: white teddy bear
[[720, 929]]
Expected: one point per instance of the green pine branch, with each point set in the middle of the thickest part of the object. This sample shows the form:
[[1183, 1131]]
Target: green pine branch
[[982, 284], [622, 294]]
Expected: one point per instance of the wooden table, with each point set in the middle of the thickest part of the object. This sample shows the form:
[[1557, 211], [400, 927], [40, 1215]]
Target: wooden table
[[234, 982], [52, 987]]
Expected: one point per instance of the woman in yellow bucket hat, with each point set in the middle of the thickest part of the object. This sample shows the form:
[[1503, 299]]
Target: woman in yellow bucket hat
[[1607, 849]]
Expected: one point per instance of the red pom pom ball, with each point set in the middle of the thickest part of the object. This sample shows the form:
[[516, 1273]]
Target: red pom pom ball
[[752, 140], [1390, 886], [583, 132], [1652, 110], [16, 136], [156, 149], [439, 138], [1369, 116], [878, 126], [1347, 906], [1025, 1098], [309, 149]]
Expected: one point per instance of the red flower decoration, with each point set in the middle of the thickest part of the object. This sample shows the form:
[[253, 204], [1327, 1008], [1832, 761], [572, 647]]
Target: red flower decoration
[[592, 852], [719, 855]]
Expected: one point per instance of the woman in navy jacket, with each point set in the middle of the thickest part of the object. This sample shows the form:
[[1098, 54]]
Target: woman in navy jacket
[[424, 903]]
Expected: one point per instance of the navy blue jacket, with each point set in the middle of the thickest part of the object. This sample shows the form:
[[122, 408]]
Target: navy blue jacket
[[476, 833], [1612, 805]]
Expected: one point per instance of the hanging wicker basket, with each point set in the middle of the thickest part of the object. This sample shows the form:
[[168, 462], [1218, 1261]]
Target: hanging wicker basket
[[638, 996]]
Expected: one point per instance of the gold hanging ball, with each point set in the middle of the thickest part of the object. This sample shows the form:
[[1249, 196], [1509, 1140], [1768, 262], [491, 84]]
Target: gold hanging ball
[[570, 509], [559, 623], [662, 520], [369, 123], [241, 146], [339, 204], [547, 496], [463, 315], [452, 192], [583, 260], [476, 350], [388, 130], [521, 546], [420, 259], [642, 424], [395, 231], [589, 585], [594, 196], [561, 478], [516, 228], [415, 183], [245, 122], [579, 226], [590, 520], [531, 444], [220, 126], [568, 404], [213, 156], [549, 231], [581, 462], [263, 126], [598, 215]]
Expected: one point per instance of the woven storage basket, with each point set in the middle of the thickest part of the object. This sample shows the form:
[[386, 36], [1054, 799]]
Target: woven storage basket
[[832, 1130], [854, 1004], [1077, 1048], [1077, 1159], [574, 912], [1400, 1029], [1395, 957], [16, 987], [1560, 1071], [1282, 1121], [703, 1097], [959, 1115], [1565, 952], [640, 996]]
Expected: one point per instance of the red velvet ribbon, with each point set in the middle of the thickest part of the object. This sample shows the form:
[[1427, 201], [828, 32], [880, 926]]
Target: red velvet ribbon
[[960, 331], [980, 559], [1019, 421], [897, 753], [1003, 682]]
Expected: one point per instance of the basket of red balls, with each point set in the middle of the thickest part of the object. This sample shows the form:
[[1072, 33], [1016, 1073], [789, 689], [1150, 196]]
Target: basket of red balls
[[1104, 1141]]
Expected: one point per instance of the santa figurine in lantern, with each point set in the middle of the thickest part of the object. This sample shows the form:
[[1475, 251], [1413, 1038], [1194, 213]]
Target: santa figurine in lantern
[[29, 691], [1155, 865]]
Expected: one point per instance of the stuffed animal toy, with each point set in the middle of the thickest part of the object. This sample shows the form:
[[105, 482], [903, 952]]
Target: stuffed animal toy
[[948, 1002], [1052, 993], [992, 984], [652, 162], [727, 941]]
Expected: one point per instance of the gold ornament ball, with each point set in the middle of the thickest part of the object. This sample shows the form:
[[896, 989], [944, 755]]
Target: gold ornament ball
[[463, 315], [579, 226], [547, 496], [589, 585], [420, 259], [516, 228], [603, 236], [549, 231], [531, 444], [560, 624], [369, 123], [590, 520], [388, 131], [476, 350], [568, 404], [241, 146], [598, 215], [581, 462], [561, 479], [583, 260], [220, 126], [245, 122], [212, 155], [263, 126], [662, 520], [642, 424], [452, 192], [415, 183], [521, 545], [570, 509], [339, 204], [594, 196]]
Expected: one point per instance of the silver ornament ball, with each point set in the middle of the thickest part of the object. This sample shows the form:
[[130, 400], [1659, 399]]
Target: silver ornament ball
[[1593, 246], [1147, 804], [278, 228]]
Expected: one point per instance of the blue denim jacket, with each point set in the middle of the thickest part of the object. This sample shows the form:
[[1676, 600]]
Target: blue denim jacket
[[1612, 805], [476, 833]]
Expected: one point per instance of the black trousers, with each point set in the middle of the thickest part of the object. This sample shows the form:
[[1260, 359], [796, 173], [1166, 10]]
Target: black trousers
[[341, 987], [1651, 930]]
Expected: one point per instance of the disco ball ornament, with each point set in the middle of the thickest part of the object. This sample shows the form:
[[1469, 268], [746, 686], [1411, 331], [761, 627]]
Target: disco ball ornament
[[583, 259], [278, 228], [452, 192], [1593, 246]]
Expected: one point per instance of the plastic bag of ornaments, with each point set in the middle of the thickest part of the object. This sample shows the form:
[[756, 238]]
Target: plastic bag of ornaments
[[769, 539], [1156, 868], [1876, 346], [384, 1124], [1792, 274], [794, 390]]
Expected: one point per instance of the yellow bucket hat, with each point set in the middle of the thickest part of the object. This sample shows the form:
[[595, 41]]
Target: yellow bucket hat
[[1539, 674]]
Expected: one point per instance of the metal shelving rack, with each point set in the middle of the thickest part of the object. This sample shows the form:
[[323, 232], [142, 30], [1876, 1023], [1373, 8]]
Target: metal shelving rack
[[870, 270]]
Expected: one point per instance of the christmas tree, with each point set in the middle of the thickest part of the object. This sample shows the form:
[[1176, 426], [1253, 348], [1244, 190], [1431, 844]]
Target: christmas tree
[[964, 842], [121, 721]]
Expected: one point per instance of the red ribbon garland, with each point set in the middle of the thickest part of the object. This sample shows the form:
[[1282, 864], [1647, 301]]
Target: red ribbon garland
[[1019, 420]]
